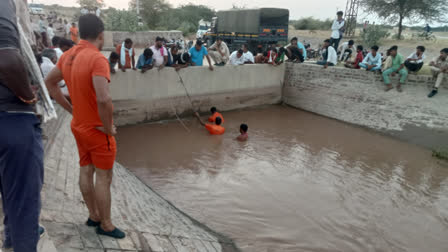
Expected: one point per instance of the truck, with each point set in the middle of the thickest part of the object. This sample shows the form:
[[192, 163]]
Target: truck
[[203, 28], [258, 28]]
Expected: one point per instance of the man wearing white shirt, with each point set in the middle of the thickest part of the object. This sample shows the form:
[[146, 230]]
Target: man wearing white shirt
[[373, 60], [415, 61], [330, 57], [337, 29], [49, 59], [236, 58], [160, 54], [247, 55], [67, 27], [346, 50]]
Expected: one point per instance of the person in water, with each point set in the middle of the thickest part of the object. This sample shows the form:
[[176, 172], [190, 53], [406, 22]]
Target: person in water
[[214, 129], [243, 130], [214, 115]]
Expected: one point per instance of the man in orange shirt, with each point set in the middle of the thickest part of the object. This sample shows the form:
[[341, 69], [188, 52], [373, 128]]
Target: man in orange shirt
[[214, 129], [215, 114], [87, 74], [74, 33], [127, 55]]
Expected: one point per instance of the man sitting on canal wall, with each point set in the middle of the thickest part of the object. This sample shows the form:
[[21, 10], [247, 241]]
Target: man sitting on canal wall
[[87, 74], [415, 61], [372, 62], [219, 52], [396, 68], [330, 57], [439, 69]]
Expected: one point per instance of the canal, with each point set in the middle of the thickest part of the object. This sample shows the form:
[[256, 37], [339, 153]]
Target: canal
[[301, 183]]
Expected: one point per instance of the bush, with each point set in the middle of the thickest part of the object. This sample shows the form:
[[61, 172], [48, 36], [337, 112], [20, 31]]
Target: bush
[[373, 35], [310, 23], [122, 20]]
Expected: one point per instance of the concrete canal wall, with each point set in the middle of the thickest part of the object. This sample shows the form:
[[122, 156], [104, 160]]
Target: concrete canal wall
[[349, 95], [357, 97], [157, 95]]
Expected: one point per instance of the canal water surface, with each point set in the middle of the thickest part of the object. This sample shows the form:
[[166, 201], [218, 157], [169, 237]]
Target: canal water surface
[[301, 183]]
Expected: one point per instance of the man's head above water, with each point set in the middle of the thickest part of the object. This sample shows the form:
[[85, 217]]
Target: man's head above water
[[213, 110], [218, 120]]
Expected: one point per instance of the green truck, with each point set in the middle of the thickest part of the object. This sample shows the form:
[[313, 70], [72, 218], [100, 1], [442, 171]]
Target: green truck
[[256, 27]]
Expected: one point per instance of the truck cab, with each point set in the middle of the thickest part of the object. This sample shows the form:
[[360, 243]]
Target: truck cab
[[203, 28]]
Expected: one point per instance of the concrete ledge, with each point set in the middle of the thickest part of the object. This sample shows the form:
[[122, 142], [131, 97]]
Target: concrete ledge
[[357, 97], [161, 94]]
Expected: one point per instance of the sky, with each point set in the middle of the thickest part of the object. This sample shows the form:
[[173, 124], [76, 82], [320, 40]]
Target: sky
[[320, 9]]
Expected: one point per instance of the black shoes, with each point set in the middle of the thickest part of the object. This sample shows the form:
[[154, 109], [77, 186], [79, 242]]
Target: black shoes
[[433, 92]]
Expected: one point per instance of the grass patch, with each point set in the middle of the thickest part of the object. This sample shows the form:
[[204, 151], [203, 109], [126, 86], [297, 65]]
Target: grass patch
[[440, 154]]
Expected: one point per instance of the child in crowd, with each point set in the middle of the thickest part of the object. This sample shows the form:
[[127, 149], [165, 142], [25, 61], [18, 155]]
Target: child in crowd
[[214, 115], [145, 61], [243, 130], [113, 60], [359, 58], [214, 129]]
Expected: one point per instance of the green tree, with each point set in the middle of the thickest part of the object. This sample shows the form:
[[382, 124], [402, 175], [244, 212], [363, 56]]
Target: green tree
[[122, 20], [396, 11], [373, 35], [151, 10], [91, 4]]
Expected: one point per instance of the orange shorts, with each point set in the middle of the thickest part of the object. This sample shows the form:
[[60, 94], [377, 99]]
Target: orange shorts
[[95, 148]]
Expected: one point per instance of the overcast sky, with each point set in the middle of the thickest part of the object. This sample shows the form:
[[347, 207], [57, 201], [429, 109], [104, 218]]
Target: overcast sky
[[298, 8]]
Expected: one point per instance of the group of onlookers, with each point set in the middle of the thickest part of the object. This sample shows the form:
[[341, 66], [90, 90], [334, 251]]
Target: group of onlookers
[[390, 64]]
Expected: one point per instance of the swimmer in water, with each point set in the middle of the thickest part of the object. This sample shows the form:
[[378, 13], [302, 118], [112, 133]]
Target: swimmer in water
[[214, 129], [215, 114], [243, 130]]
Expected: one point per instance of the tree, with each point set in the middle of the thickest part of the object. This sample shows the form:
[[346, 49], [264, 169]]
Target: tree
[[151, 10], [91, 4], [122, 20], [413, 10]]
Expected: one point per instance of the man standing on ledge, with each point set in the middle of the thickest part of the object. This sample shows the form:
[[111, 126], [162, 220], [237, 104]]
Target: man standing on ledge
[[337, 29], [87, 74]]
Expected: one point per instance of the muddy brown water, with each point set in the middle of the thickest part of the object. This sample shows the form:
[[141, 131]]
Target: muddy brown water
[[301, 183]]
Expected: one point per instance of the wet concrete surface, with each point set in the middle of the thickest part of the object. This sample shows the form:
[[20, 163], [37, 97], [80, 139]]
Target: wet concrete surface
[[301, 183]]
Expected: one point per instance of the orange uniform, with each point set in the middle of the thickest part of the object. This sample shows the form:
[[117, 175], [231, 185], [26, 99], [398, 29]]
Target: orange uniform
[[74, 34], [78, 66], [128, 58], [213, 117], [215, 129]]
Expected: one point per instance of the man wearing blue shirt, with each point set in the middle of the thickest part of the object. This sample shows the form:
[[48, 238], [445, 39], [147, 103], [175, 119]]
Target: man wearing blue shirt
[[197, 55], [145, 61], [373, 60], [300, 48]]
